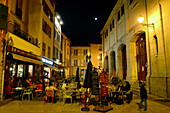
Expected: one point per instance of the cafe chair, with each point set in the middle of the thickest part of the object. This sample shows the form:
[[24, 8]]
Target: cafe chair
[[67, 94], [8, 91], [48, 93], [27, 92]]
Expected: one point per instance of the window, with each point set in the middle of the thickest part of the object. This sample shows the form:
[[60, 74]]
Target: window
[[110, 27], [76, 52], [122, 10], [49, 49], [100, 48], [47, 11], [85, 52], [58, 36], [118, 16], [113, 23], [131, 1], [46, 28], [43, 49], [75, 62], [58, 54], [18, 10]]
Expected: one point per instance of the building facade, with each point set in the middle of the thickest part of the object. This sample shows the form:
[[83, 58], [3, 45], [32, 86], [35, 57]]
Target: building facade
[[66, 61], [139, 51], [78, 59], [29, 41]]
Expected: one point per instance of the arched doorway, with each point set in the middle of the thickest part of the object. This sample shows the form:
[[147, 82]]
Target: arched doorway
[[141, 56], [106, 64], [112, 64], [122, 61]]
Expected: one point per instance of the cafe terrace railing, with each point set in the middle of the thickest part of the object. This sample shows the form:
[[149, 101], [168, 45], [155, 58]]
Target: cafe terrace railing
[[20, 33]]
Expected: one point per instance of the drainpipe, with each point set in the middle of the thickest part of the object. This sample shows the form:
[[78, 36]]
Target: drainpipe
[[163, 38], [146, 9]]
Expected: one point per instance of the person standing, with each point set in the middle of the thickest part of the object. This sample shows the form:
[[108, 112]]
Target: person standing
[[143, 95]]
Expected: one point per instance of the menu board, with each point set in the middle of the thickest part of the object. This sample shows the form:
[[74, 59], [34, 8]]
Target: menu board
[[95, 83]]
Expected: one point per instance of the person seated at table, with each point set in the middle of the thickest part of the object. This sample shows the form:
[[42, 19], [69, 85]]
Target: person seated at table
[[64, 86], [39, 88], [119, 93], [27, 83], [51, 86], [30, 81], [127, 89]]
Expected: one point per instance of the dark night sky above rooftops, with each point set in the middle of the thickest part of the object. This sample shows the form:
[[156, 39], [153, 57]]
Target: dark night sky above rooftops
[[79, 19]]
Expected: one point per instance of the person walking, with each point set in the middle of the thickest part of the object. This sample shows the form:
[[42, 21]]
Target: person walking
[[143, 95]]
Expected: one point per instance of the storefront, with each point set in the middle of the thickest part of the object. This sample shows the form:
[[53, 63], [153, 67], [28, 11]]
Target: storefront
[[21, 65]]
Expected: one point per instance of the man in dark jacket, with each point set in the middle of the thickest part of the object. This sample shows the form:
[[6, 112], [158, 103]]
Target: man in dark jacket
[[143, 95]]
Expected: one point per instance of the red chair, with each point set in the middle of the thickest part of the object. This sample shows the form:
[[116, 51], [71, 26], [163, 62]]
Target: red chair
[[49, 93], [8, 91]]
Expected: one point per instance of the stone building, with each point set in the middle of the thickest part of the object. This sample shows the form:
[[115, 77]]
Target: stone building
[[139, 51]]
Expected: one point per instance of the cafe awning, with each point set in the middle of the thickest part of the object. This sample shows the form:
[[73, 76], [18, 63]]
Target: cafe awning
[[26, 59]]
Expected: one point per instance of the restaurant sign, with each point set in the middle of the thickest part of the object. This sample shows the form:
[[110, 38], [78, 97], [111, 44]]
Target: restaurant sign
[[47, 60], [22, 52]]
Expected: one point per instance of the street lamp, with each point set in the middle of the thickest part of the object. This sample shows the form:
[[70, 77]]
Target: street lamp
[[141, 19]]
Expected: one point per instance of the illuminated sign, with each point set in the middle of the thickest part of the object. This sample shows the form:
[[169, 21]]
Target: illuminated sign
[[45, 60]]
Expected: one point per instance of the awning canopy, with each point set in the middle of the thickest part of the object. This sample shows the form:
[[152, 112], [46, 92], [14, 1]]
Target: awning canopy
[[26, 59]]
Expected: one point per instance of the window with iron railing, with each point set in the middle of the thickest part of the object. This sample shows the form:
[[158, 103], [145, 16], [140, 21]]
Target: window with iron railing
[[75, 62], [46, 28], [76, 52], [47, 11]]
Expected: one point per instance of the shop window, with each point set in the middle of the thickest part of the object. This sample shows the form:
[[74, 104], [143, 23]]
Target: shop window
[[43, 49], [20, 70], [30, 70], [49, 49], [46, 74]]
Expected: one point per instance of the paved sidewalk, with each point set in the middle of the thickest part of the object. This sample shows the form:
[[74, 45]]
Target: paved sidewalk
[[58, 107]]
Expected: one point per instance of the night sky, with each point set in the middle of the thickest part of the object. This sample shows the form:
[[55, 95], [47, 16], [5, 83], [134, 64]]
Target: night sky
[[79, 19]]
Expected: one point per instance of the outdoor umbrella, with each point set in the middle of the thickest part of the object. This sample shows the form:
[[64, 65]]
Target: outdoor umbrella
[[88, 76], [77, 78], [87, 82]]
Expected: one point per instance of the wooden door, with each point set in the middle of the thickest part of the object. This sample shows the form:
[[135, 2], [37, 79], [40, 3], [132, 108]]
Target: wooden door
[[141, 55]]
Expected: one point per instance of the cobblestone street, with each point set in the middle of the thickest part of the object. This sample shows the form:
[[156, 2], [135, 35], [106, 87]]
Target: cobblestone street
[[58, 107]]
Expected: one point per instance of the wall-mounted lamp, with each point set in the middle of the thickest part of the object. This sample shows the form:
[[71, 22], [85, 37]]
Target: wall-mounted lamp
[[141, 19]]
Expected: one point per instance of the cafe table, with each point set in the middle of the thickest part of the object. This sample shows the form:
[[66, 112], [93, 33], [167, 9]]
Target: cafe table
[[19, 90]]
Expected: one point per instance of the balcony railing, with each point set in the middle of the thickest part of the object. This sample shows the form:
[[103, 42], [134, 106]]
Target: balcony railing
[[18, 32]]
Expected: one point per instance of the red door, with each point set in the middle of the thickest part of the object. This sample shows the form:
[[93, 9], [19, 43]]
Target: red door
[[141, 57], [124, 62]]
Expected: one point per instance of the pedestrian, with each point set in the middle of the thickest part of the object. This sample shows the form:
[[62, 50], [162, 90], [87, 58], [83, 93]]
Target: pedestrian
[[143, 95]]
